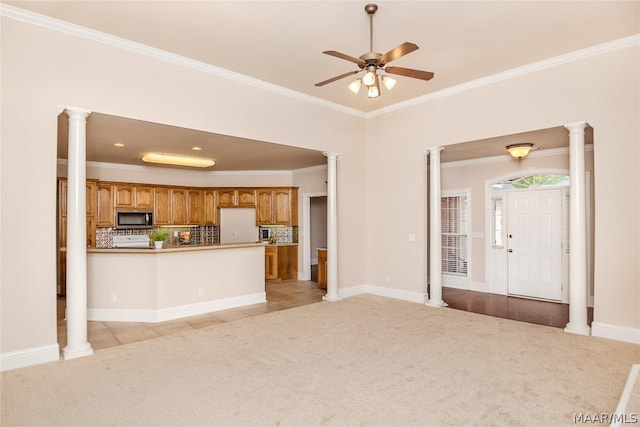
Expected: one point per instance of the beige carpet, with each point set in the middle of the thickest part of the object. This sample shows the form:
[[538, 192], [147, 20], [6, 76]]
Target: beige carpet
[[363, 361]]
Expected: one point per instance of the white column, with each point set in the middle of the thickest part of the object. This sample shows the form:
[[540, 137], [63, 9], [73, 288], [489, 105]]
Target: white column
[[435, 230], [577, 232], [77, 344], [332, 228]]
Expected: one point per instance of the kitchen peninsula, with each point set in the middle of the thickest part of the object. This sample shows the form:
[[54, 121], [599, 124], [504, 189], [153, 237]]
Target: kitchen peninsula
[[155, 285]]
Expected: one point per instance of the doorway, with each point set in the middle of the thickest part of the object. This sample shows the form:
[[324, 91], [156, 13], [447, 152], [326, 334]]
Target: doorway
[[314, 231]]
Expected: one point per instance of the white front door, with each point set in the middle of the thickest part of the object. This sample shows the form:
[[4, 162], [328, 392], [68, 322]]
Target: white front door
[[534, 238]]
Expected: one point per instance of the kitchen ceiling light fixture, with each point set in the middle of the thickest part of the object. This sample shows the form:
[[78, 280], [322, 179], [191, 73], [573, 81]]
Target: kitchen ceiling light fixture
[[519, 151], [371, 62], [176, 160], [119, 145]]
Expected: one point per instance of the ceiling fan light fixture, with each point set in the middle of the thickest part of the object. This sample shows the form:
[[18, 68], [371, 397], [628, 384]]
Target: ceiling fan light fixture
[[355, 86], [519, 151], [373, 91], [369, 79], [389, 82], [176, 160]]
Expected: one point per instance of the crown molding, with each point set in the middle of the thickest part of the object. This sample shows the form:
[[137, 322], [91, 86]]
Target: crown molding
[[139, 48], [142, 49], [514, 72]]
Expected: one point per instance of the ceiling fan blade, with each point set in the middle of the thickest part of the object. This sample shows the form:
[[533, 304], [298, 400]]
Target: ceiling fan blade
[[408, 72], [358, 61], [398, 51], [341, 76]]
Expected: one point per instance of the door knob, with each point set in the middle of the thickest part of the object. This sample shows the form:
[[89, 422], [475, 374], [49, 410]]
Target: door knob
[[510, 250]]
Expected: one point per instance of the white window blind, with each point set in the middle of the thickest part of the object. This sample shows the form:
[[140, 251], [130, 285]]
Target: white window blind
[[454, 235], [497, 221]]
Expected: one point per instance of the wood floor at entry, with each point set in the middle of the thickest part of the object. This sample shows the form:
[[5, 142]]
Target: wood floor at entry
[[522, 309]]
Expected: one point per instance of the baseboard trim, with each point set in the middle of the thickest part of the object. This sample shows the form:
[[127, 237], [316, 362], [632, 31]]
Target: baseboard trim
[[29, 357], [613, 332], [172, 313], [623, 403], [400, 294]]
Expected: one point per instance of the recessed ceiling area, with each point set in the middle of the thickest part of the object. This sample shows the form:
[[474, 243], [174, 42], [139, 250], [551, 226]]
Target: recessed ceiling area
[[140, 137], [542, 139]]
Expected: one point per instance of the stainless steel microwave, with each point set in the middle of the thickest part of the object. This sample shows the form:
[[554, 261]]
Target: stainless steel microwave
[[127, 219]]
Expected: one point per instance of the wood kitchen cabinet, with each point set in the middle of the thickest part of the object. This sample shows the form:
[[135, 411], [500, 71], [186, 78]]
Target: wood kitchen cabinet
[[162, 206], [134, 196], [277, 206], [179, 205], [270, 262], [105, 216], [236, 198], [322, 268], [210, 209], [281, 262], [195, 206]]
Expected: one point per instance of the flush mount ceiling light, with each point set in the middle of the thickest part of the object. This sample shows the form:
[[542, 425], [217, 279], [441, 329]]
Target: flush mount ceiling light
[[119, 145], [519, 151], [196, 148], [176, 160], [372, 62]]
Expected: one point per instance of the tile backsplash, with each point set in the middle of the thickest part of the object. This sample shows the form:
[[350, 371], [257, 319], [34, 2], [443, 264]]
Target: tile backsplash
[[283, 234], [206, 234]]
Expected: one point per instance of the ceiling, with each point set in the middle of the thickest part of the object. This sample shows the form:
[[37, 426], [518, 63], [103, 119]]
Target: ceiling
[[281, 42]]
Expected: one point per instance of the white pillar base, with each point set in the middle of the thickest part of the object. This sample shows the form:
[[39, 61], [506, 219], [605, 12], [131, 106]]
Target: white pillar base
[[437, 304], [578, 330], [75, 353], [331, 298]]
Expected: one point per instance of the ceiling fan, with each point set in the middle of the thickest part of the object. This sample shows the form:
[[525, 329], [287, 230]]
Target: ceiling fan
[[372, 61]]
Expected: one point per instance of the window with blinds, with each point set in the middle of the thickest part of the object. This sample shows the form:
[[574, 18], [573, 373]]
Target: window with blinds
[[454, 234], [497, 221]]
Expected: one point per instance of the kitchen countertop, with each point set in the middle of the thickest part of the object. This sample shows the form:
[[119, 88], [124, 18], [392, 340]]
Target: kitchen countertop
[[170, 249]]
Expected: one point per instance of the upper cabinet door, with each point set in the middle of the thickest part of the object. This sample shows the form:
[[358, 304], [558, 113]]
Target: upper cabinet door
[[179, 206], [143, 197], [196, 207], [105, 205], [162, 208], [210, 209], [227, 198], [246, 197], [124, 196], [264, 208]]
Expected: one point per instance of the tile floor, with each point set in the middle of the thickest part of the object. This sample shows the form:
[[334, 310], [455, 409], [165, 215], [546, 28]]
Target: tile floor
[[281, 295]]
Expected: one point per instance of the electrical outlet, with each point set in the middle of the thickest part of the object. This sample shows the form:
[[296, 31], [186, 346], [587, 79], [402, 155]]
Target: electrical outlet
[[200, 292], [114, 297], [387, 278]]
